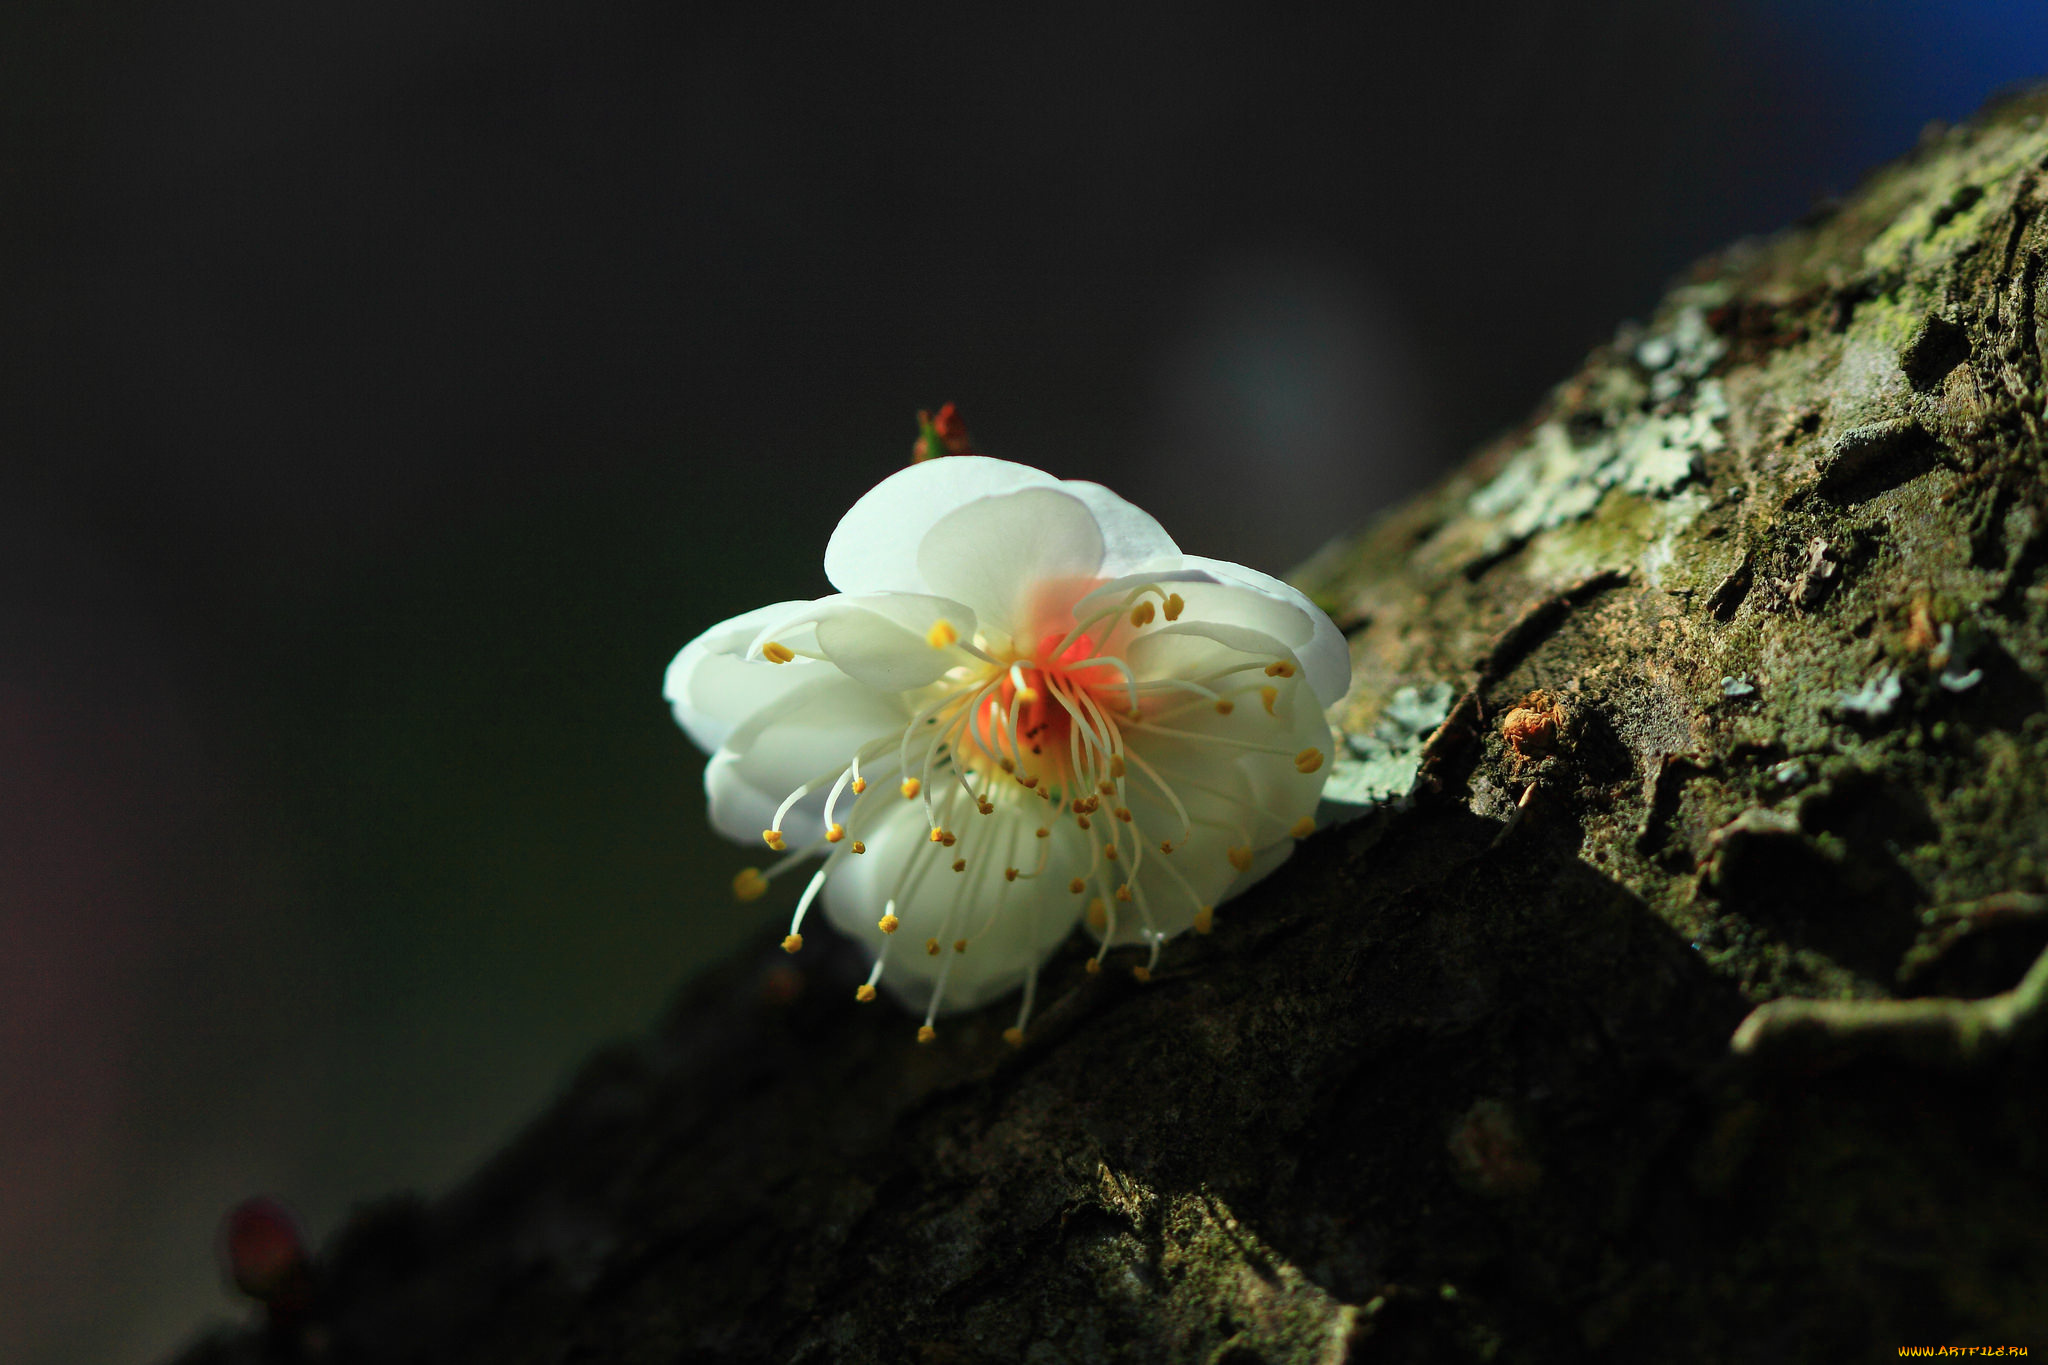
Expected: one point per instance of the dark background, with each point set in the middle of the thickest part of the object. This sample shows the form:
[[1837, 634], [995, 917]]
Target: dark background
[[388, 389]]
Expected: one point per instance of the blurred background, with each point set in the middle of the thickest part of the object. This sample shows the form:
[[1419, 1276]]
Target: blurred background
[[388, 389]]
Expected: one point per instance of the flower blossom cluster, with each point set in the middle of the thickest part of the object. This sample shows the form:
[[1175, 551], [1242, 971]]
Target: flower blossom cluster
[[1024, 709]]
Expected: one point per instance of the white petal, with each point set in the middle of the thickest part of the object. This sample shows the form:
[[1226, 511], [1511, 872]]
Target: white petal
[[712, 687], [874, 547], [810, 734], [882, 640], [1131, 539], [1011, 927], [995, 553], [1325, 657]]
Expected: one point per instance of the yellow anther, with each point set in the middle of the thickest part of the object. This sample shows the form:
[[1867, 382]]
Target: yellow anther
[[941, 635], [910, 788], [1303, 827], [888, 924], [1077, 886], [1094, 966], [1109, 852], [858, 846], [860, 784], [1116, 765], [792, 943], [1123, 893], [1123, 813], [1174, 606], [834, 834], [931, 947], [777, 654], [1279, 668], [959, 864], [1205, 919], [1044, 833], [1267, 696], [1014, 1036], [1028, 695], [1241, 857], [1141, 973], [773, 838], [1098, 913], [1141, 615], [925, 1033], [1308, 760], [959, 945], [947, 839], [864, 993], [985, 806], [1224, 706], [938, 835], [1009, 874], [748, 884]]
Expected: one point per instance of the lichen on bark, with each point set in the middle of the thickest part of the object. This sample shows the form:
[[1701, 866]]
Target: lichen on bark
[[1716, 690]]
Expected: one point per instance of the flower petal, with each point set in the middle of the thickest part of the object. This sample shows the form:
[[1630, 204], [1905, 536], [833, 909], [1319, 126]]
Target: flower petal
[[808, 735], [1010, 926], [993, 552], [1131, 538], [874, 548], [883, 640], [1325, 657], [713, 687]]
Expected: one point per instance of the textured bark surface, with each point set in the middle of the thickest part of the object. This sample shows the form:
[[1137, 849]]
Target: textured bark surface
[[1683, 1012]]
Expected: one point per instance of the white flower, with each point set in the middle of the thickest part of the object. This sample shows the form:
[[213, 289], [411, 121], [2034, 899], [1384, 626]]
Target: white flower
[[1025, 708]]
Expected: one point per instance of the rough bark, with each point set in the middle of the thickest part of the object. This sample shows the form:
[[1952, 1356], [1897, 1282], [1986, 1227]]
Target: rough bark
[[1683, 1011]]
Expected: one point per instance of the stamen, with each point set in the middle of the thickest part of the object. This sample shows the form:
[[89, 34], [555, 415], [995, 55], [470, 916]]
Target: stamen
[[941, 635], [1142, 974], [1205, 919], [859, 847], [748, 885], [1303, 827], [1010, 874], [959, 945], [777, 654], [1267, 696], [926, 1033], [1141, 615], [773, 838], [888, 923], [792, 942], [864, 993], [1098, 913], [1308, 760], [1224, 706], [1077, 886], [931, 947], [910, 788], [1174, 606], [835, 833], [1240, 857], [1280, 668], [959, 864]]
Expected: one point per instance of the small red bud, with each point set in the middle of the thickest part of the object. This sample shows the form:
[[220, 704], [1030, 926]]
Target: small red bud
[[265, 1255]]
